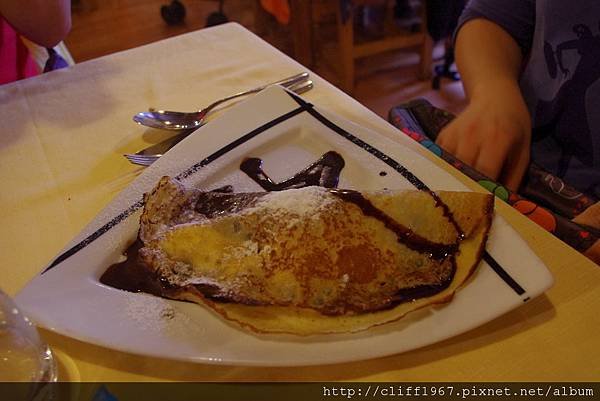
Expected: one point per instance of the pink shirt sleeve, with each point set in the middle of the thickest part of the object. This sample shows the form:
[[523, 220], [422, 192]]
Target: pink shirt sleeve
[[15, 61]]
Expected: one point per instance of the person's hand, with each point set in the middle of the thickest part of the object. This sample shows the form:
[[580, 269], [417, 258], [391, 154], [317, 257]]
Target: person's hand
[[493, 133]]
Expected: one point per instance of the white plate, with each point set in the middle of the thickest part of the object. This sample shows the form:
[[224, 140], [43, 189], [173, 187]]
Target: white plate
[[288, 134]]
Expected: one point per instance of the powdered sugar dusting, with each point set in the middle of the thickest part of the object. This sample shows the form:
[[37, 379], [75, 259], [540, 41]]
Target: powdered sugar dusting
[[245, 249], [303, 202], [157, 314]]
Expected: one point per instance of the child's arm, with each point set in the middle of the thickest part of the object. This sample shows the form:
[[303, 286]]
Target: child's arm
[[493, 134]]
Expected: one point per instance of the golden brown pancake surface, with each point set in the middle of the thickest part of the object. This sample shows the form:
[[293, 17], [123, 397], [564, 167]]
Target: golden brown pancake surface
[[312, 260]]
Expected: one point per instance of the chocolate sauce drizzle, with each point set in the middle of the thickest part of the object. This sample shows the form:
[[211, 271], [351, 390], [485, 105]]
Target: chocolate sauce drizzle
[[212, 204], [405, 235], [447, 214], [325, 172], [132, 275]]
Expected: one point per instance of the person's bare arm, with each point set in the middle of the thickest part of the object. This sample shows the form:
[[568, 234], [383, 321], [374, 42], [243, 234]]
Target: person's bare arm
[[493, 133], [45, 22]]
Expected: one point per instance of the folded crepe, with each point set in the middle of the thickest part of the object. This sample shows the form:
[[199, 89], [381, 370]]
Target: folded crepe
[[310, 260]]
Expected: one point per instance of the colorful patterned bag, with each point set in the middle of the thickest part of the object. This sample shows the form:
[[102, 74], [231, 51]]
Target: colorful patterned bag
[[543, 197]]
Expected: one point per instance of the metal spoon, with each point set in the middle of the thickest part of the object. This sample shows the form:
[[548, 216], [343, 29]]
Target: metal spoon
[[149, 155], [175, 120]]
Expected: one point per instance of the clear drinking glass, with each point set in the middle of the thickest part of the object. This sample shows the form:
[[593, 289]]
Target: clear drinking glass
[[24, 357]]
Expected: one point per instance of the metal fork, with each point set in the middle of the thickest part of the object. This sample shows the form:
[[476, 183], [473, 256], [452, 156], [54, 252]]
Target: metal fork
[[142, 158]]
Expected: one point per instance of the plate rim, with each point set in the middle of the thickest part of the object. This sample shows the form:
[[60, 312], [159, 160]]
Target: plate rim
[[321, 116]]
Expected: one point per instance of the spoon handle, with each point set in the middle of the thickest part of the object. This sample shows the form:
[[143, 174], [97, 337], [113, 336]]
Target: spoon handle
[[162, 147], [286, 82]]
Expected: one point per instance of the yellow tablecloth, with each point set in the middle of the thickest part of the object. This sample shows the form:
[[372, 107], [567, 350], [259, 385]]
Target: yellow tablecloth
[[61, 144]]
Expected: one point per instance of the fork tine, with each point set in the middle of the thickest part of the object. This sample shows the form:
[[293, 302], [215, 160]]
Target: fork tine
[[142, 160]]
